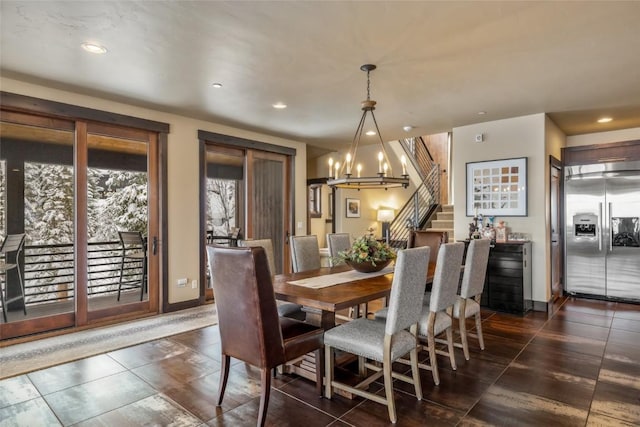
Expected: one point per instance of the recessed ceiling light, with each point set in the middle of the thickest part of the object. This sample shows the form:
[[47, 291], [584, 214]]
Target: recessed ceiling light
[[370, 132], [605, 120], [94, 48], [482, 113], [279, 105], [407, 128], [217, 85]]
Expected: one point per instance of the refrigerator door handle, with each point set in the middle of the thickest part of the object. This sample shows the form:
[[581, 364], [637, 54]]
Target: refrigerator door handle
[[610, 231], [601, 228]]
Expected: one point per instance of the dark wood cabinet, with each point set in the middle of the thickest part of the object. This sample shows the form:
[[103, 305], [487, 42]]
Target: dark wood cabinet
[[508, 283]]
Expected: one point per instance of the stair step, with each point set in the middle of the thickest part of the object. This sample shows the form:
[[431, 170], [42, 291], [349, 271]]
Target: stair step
[[447, 208], [444, 216], [440, 230], [438, 223]]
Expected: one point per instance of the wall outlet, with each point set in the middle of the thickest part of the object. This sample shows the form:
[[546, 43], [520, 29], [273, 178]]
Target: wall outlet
[[194, 284], [182, 282], [479, 137]]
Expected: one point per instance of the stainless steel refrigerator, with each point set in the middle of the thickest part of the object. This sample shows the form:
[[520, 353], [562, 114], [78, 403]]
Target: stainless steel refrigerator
[[602, 244]]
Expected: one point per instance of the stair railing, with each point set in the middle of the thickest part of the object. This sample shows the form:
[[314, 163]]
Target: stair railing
[[418, 208]]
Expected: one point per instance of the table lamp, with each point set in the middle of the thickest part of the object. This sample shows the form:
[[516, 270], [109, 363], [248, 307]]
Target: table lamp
[[385, 216]]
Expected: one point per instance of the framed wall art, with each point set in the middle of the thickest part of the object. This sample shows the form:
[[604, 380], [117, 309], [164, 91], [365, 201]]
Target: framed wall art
[[497, 187], [353, 208]]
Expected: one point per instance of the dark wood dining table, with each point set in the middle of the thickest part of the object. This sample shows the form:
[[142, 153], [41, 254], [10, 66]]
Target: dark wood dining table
[[323, 303], [330, 299]]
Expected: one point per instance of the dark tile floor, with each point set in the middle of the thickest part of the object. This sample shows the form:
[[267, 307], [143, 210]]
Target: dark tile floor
[[577, 367]]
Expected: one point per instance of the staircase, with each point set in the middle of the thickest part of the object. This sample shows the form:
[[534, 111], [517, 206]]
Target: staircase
[[443, 221]]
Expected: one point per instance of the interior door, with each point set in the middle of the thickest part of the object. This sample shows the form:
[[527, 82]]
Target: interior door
[[554, 220], [269, 204]]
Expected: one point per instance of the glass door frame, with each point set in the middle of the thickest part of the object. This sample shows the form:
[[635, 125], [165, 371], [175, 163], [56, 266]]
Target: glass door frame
[[206, 137], [157, 174]]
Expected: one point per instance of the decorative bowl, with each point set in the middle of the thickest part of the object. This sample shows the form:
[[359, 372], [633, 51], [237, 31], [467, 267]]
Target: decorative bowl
[[367, 267]]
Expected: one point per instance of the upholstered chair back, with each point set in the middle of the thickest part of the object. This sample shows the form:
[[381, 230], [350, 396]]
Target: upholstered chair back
[[407, 289], [246, 305], [444, 290], [267, 244], [475, 268], [305, 253], [337, 242]]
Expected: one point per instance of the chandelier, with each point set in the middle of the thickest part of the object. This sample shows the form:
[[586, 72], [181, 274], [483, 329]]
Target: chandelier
[[341, 174]]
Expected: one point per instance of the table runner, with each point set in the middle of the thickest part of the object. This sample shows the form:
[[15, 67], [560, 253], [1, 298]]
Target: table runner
[[325, 281]]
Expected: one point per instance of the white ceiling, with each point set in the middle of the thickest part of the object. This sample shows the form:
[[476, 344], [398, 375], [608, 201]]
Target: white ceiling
[[439, 63]]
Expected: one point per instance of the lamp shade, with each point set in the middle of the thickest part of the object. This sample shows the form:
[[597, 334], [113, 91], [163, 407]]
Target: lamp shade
[[385, 215]]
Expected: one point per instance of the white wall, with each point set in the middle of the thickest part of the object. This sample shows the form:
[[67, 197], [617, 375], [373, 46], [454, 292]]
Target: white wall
[[504, 139], [183, 185]]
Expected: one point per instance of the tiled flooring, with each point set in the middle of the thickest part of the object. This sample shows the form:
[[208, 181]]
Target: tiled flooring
[[577, 367]]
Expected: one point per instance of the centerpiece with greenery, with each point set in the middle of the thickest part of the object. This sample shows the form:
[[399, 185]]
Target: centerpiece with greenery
[[368, 254]]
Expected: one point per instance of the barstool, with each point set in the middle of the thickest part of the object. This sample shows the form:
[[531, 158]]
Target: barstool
[[13, 243], [134, 248]]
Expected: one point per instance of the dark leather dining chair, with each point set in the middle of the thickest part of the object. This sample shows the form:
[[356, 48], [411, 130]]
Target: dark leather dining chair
[[250, 328], [433, 239]]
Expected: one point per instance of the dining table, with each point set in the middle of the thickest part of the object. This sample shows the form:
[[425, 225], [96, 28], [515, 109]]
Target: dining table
[[321, 300]]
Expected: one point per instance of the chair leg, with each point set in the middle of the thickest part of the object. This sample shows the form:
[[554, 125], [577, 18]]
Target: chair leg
[[4, 309], [463, 337], [143, 281], [452, 355], [479, 330], [431, 343], [415, 372], [265, 375], [388, 389], [121, 273], [328, 372], [21, 283], [224, 375], [319, 368]]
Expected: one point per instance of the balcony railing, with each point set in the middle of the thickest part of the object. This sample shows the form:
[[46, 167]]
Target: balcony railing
[[49, 271]]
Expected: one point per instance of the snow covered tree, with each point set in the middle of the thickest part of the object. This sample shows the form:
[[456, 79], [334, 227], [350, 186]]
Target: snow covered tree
[[49, 204], [221, 205]]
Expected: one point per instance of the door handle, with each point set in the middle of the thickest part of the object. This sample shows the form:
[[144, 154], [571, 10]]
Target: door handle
[[154, 245], [610, 232], [601, 227]]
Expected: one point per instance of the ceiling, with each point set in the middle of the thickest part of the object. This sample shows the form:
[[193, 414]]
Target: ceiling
[[439, 63]]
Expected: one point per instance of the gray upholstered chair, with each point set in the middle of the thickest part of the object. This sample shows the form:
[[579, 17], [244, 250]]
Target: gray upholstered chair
[[468, 303], [384, 342], [286, 309], [305, 253], [337, 242], [437, 306], [436, 314]]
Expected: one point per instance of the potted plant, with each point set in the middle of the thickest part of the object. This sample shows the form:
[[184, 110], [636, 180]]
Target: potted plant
[[368, 254]]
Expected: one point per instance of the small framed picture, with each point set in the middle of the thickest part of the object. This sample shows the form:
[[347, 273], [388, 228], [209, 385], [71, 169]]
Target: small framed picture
[[353, 208]]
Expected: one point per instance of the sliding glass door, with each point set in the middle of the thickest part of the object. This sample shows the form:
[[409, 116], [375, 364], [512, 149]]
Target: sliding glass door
[[70, 187], [246, 192]]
